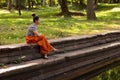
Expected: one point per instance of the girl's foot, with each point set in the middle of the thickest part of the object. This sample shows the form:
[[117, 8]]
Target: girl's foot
[[45, 56], [55, 49]]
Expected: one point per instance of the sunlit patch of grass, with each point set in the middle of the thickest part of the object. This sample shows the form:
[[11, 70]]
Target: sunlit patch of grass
[[106, 6], [4, 11], [108, 11], [116, 9], [13, 27]]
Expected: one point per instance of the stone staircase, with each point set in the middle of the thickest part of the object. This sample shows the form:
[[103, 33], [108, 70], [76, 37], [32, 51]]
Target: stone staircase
[[77, 56]]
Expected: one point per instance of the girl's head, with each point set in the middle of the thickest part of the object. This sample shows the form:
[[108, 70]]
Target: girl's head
[[36, 19]]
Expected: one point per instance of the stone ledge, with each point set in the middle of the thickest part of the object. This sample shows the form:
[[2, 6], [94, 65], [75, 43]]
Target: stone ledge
[[10, 53], [57, 59]]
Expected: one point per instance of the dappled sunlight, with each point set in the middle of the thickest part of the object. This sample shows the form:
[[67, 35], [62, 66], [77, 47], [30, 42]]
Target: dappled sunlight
[[16, 67], [103, 13], [108, 11], [13, 27], [116, 9], [4, 11], [114, 27], [13, 21]]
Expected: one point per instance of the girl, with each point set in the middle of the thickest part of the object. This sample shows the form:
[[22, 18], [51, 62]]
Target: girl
[[33, 36]]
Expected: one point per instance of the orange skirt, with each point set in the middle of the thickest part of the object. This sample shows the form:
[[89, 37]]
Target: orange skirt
[[45, 46]]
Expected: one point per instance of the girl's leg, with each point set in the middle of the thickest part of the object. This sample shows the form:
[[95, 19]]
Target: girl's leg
[[45, 46]]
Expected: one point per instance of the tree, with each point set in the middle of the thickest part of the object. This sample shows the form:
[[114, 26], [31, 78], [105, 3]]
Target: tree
[[32, 3], [43, 2], [18, 5], [116, 1], [64, 8], [82, 4], [90, 10], [51, 2], [29, 5], [95, 4], [9, 4]]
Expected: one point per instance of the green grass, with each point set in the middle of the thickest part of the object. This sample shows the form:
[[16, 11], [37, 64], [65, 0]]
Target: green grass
[[13, 27], [112, 74]]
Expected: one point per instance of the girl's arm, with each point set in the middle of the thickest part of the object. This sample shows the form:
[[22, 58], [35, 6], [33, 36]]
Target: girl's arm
[[37, 33]]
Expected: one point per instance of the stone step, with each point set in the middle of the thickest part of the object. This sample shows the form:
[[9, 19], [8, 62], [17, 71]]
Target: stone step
[[72, 48], [61, 63], [25, 52]]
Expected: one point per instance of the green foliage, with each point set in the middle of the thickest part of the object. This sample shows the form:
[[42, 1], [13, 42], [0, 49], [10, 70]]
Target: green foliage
[[1, 64], [2, 3], [37, 3], [19, 60], [112, 74]]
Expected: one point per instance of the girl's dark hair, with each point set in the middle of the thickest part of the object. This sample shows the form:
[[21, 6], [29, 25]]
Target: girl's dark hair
[[35, 18]]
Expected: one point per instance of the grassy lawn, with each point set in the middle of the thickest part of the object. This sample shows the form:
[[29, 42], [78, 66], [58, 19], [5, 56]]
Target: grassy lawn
[[13, 27]]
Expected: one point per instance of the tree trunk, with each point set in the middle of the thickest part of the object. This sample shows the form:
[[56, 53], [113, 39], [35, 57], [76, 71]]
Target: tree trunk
[[51, 2], [18, 3], [16, 6], [32, 3], [82, 4], [9, 4], [64, 8], [115, 1], [105, 1], [95, 4], [99, 1], [72, 2], [76, 3], [43, 2], [29, 5], [90, 10]]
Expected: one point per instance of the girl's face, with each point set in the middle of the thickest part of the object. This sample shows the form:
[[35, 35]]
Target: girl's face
[[37, 21]]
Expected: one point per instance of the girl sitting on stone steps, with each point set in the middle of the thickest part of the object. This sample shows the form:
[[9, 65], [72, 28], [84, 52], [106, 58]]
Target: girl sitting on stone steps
[[33, 36]]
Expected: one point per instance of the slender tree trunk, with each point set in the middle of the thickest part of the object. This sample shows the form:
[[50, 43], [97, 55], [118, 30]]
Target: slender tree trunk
[[90, 10], [105, 1], [32, 3], [16, 6], [9, 4], [51, 2], [43, 2], [99, 1], [72, 2], [76, 3], [29, 5], [115, 1], [95, 4], [18, 3], [64, 8], [118, 1], [82, 4]]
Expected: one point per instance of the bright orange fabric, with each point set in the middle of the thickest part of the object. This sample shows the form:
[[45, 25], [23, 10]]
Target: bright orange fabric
[[45, 46]]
